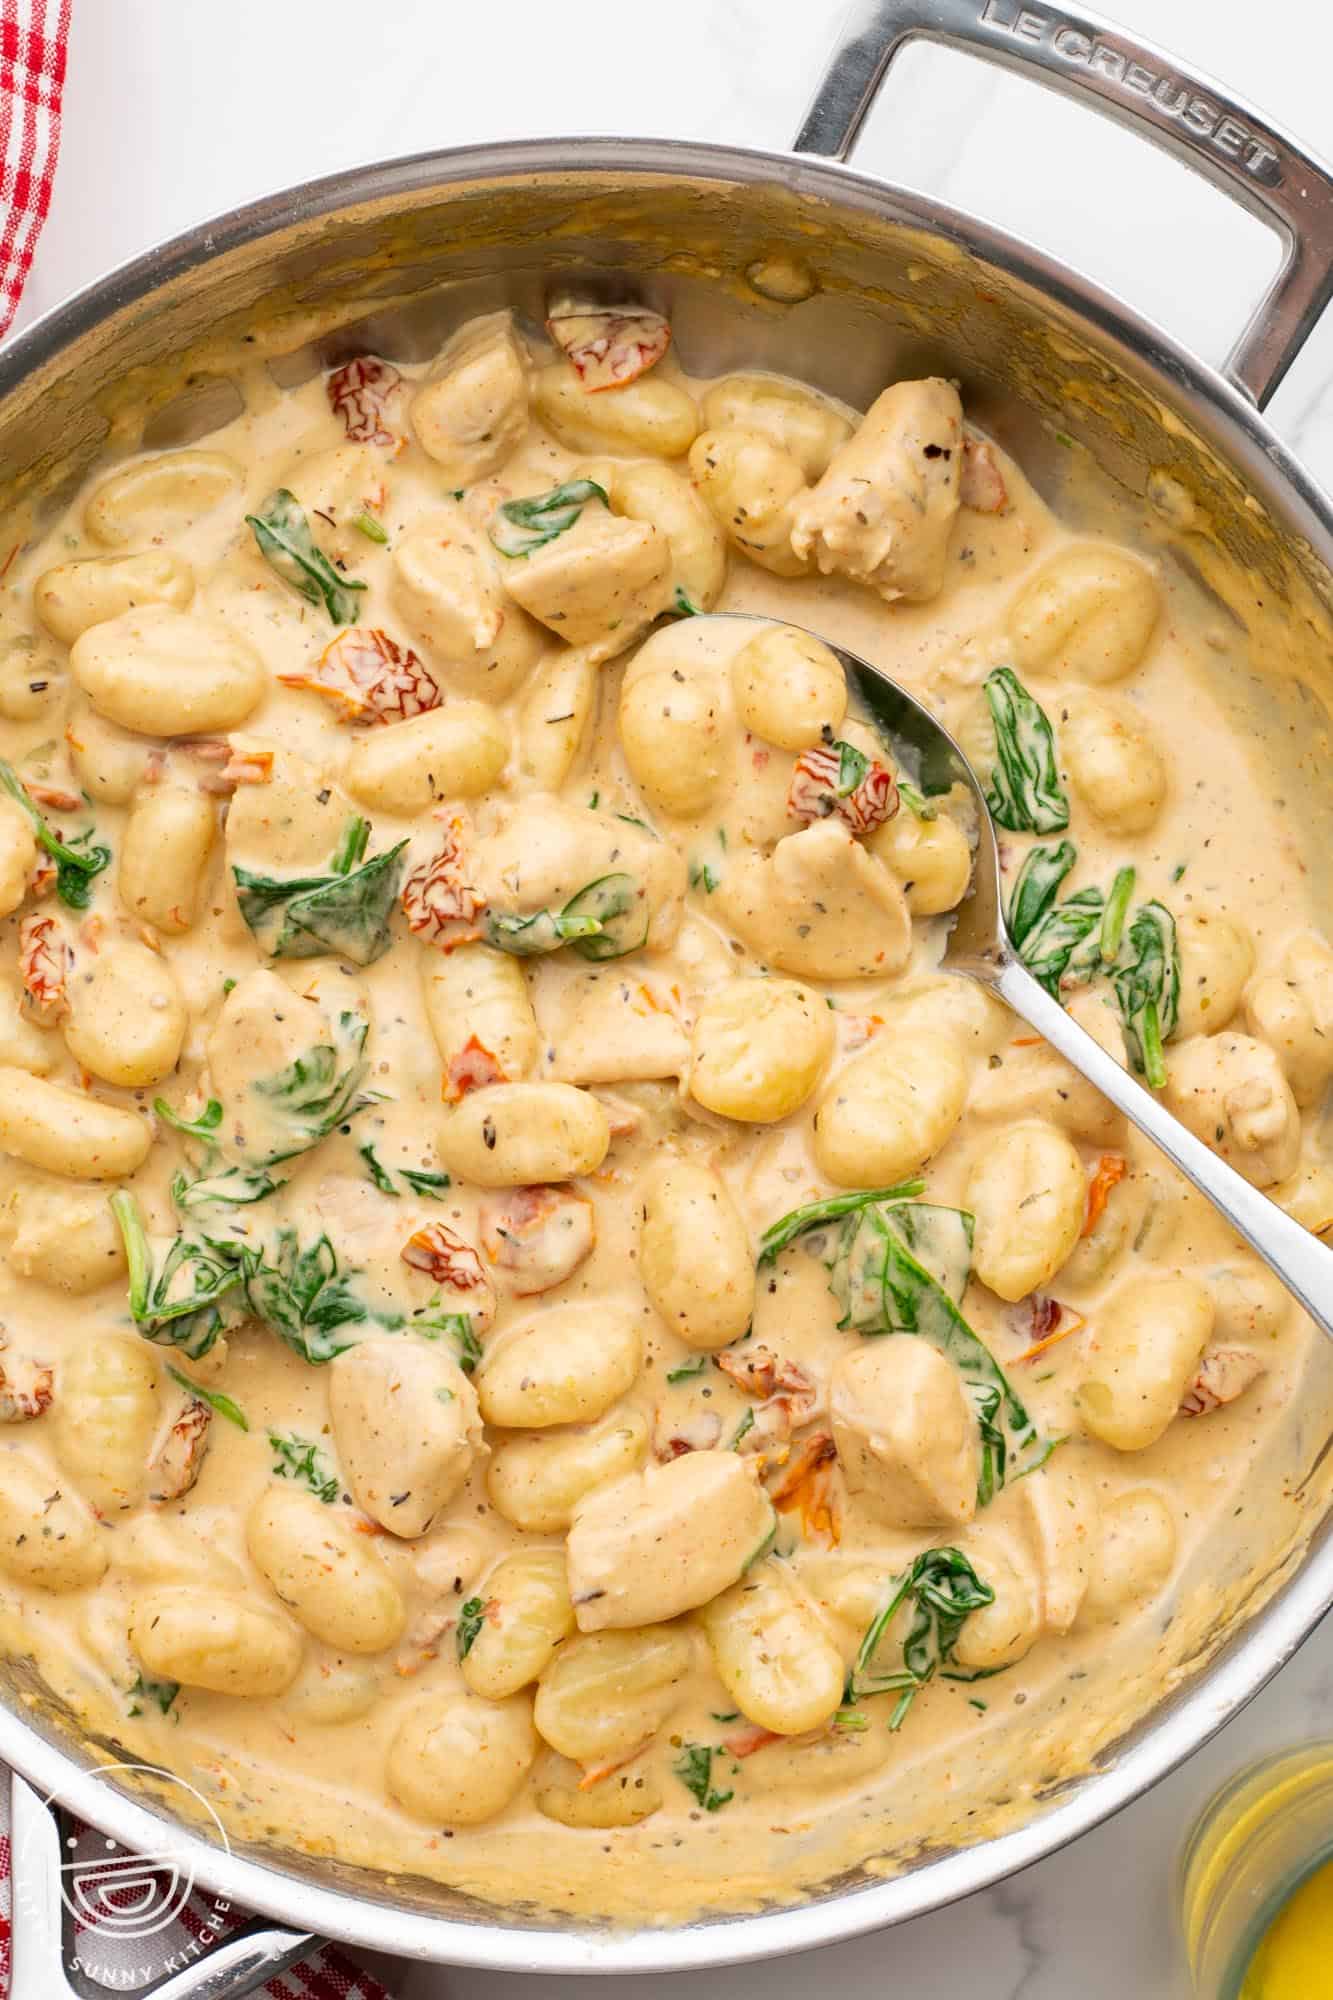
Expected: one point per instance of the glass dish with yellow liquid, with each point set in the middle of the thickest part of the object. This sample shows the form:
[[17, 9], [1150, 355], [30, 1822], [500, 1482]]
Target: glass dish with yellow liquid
[[1257, 1883]]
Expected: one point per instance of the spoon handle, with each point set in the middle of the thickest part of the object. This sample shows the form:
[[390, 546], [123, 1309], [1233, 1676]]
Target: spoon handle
[[1299, 1259]]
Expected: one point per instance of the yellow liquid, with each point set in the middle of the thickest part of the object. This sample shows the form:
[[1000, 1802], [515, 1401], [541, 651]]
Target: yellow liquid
[[1295, 1959]]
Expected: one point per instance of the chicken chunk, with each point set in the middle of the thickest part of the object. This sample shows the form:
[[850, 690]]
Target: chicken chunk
[[1230, 1090], [906, 1437], [446, 588], [548, 852], [882, 512], [599, 584], [819, 906], [472, 410]]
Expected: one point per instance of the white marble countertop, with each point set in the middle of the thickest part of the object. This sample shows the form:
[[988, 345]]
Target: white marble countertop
[[177, 109]]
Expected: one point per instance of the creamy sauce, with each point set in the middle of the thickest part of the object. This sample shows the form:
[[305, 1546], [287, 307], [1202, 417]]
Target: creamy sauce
[[1078, 1630]]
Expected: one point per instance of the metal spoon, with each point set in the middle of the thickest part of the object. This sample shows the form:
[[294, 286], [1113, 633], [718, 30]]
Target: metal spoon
[[980, 948]]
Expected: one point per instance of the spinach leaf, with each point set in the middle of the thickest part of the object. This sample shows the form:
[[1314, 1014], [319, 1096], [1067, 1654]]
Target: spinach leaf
[[160, 1693], [313, 1095], [881, 1275], [422, 1181], [375, 1172], [303, 1296], [215, 1399], [195, 1294], [519, 526], [77, 861], [352, 847], [234, 1187], [683, 605], [456, 1326], [1025, 792], [689, 1371], [301, 1459], [916, 801], [1057, 944], [694, 1768], [1048, 950], [1113, 916], [605, 919], [942, 1589], [542, 931], [1037, 887], [288, 547], [900, 1266], [1146, 981], [203, 1127], [471, 1618], [816, 1213], [345, 913], [621, 911]]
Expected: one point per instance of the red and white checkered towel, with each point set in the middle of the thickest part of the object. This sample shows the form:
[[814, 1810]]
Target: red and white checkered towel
[[33, 39]]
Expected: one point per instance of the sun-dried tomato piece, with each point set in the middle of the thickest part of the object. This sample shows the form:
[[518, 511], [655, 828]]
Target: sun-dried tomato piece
[[44, 965], [369, 677], [438, 901], [1044, 1322], [760, 1372], [445, 1257], [44, 875], [359, 393], [471, 1068], [451, 1262], [839, 778], [607, 346], [26, 1387], [56, 798], [174, 1468], [674, 1436], [806, 1484], [1222, 1375], [540, 1234], [981, 485], [746, 1741], [1111, 1169]]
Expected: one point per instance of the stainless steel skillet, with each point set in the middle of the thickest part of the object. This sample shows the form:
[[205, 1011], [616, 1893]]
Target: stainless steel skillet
[[792, 262]]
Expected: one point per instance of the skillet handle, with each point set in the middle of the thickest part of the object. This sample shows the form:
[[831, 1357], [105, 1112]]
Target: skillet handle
[[42, 1918], [1180, 108]]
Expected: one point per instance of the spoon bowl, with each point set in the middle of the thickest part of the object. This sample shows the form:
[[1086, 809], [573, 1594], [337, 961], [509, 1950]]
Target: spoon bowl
[[979, 947]]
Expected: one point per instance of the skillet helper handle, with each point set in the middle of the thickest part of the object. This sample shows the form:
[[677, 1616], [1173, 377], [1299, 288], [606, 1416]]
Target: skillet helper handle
[[40, 1918], [1138, 85]]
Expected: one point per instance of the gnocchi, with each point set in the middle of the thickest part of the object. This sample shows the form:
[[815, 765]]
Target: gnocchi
[[162, 672], [456, 1762], [1148, 1345], [1089, 613], [522, 1264], [758, 1050], [694, 1255], [75, 595], [890, 1109], [567, 1366], [666, 1539], [775, 1662], [454, 752], [473, 407], [169, 837], [330, 1580]]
